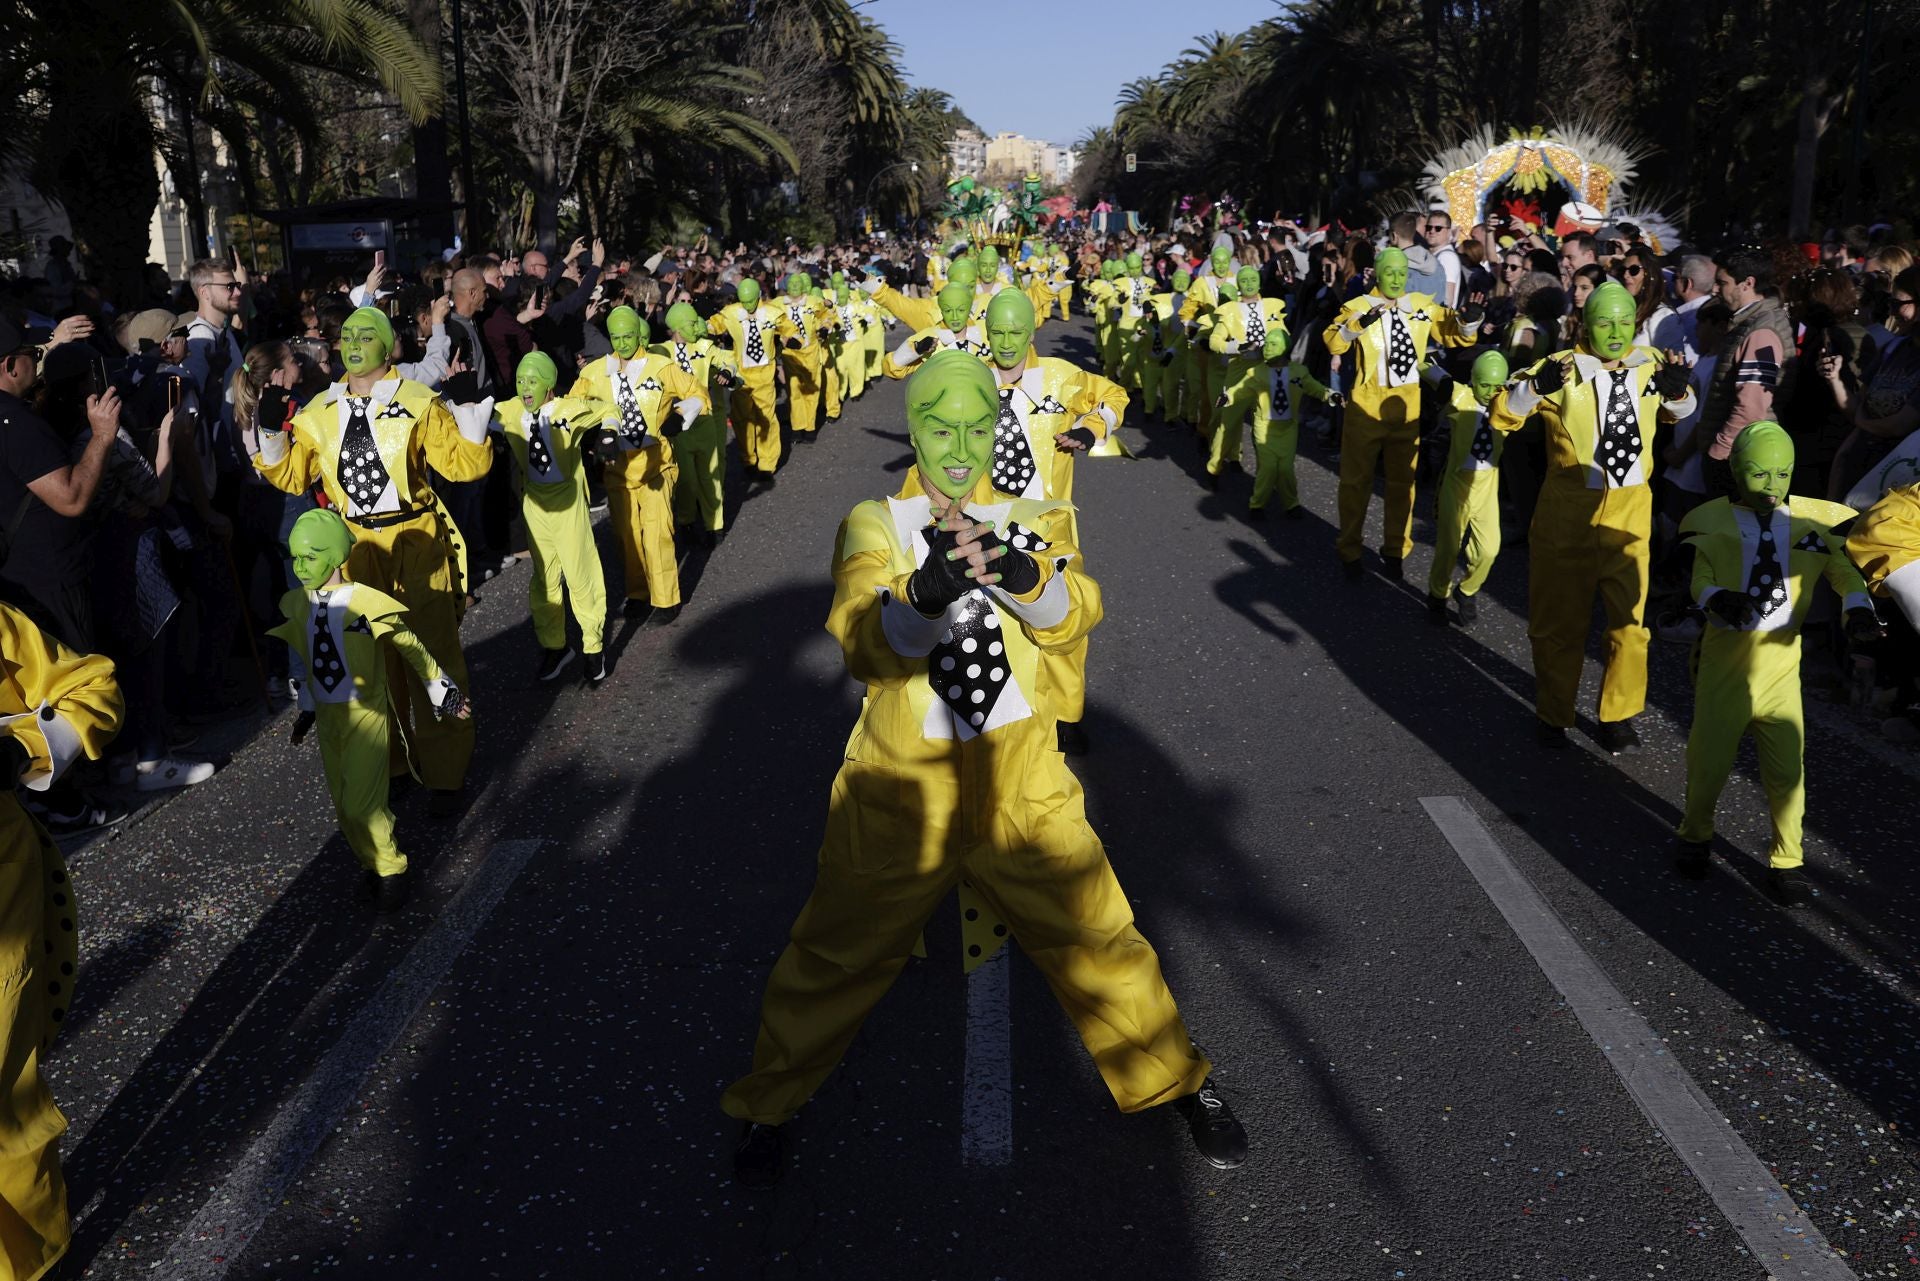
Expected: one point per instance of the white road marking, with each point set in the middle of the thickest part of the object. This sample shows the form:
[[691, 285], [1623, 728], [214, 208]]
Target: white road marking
[[226, 1223], [986, 1089], [1772, 1225]]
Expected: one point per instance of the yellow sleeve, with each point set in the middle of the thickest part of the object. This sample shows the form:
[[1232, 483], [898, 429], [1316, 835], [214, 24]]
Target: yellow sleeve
[[291, 465], [681, 385], [1336, 337], [56, 704], [1448, 329], [1308, 383], [717, 324], [921, 313], [1060, 574], [574, 414], [451, 454], [863, 586], [1887, 536], [1103, 403]]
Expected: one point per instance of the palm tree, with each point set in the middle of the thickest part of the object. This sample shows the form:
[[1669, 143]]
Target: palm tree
[[92, 73]]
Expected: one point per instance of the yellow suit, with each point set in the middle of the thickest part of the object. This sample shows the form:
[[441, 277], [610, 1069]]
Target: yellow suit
[[1163, 356], [1590, 527], [1885, 542], [1747, 680], [1383, 409], [1130, 294], [371, 457], [345, 638], [755, 347], [1469, 504], [1206, 372], [904, 359], [847, 349], [59, 706], [699, 494], [546, 448], [803, 320], [951, 781], [642, 402], [1239, 333], [1101, 301], [1276, 433]]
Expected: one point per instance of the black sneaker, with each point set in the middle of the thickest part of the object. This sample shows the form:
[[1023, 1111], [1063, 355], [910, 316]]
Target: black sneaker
[[1394, 567], [664, 615], [1437, 610], [1069, 738], [760, 1155], [636, 608], [392, 893], [1219, 1137], [596, 668], [369, 887], [1693, 859], [446, 802], [1789, 886], [1354, 570], [1619, 737], [91, 816], [1296, 513], [554, 661], [1256, 514], [1550, 736], [1468, 610]]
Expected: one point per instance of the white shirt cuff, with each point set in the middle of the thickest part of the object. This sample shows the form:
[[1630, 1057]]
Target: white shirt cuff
[[689, 411], [910, 633], [274, 447], [1049, 609], [63, 747], [474, 419]]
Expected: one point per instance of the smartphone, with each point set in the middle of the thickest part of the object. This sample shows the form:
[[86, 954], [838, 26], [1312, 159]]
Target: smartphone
[[379, 259], [176, 392], [96, 377]]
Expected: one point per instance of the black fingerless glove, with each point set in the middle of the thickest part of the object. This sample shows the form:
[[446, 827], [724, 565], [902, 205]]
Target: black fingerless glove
[[1550, 377], [938, 582], [1019, 572], [462, 389], [1471, 315], [1735, 609], [1670, 381], [302, 724], [794, 344], [926, 345], [1862, 625], [1373, 317], [272, 411], [1082, 434]]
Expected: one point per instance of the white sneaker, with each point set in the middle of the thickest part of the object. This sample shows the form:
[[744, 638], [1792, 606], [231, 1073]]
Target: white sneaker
[[168, 771]]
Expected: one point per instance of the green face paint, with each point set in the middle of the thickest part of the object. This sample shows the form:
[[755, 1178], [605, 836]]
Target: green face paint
[[535, 379], [1609, 321], [1009, 327], [1182, 281], [956, 306], [1229, 291], [626, 331], [749, 294], [366, 340], [841, 294], [989, 262], [1489, 375], [1762, 465], [1134, 263], [798, 284], [1110, 269], [682, 320], [951, 407], [1247, 281], [318, 544], [1390, 272], [963, 273], [1222, 260]]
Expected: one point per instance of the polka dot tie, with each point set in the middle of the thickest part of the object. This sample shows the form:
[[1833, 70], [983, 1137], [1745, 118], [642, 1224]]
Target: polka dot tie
[[1812, 542], [328, 667], [633, 423], [1400, 357], [756, 349], [683, 358], [539, 454], [1481, 448], [968, 668], [1256, 327], [1619, 444], [1765, 581], [362, 474], [1013, 465], [799, 319]]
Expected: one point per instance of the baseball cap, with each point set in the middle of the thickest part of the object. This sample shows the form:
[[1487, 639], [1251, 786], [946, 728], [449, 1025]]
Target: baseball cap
[[149, 328], [15, 337]]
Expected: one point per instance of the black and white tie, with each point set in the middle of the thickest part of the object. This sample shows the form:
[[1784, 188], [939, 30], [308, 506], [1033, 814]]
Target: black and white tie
[[1619, 444], [539, 455], [799, 322], [683, 358], [968, 667], [1282, 398], [1400, 356], [1766, 584], [1013, 465], [756, 349], [328, 667], [362, 474], [633, 423], [1256, 328], [1480, 449]]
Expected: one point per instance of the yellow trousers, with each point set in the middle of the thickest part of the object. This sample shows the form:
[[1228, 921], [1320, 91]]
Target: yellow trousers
[[873, 349], [1748, 683], [1125, 330], [353, 750], [39, 929], [1365, 442], [755, 425], [805, 374], [1583, 543], [410, 562], [1157, 384], [700, 492], [560, 535], [1195, 401], [1108, 338], [1065, 301], [1275, 443], [1244, 385], [641, 505], [1469, 509], [897, 843], [849, 372]]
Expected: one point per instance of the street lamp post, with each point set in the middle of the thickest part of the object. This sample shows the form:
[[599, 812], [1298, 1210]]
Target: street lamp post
[[867, 201]]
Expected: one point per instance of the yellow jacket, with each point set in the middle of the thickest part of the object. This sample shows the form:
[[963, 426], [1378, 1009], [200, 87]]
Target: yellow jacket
[[1373, 384], [56, 704], [1572, 418], [357, 621], [699, 360], [1886, 538], [659, 389], [1726, 539], [755, 335], [1227, 335], [545, 445]]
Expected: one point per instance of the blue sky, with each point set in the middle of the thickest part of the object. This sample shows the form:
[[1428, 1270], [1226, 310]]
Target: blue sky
[[1089, 51]]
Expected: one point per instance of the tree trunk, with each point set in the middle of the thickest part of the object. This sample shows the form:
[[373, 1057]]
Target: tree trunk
[[432, 173], [1526, 97], [109, 203]]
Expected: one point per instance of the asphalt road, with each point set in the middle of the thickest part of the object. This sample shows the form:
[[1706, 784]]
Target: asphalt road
[[518, 1075]]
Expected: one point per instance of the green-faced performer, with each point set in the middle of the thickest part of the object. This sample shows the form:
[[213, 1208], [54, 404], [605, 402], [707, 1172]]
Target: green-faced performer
[[1469, 503]]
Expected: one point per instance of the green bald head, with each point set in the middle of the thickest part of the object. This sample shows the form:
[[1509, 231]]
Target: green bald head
[[841, 294], [366, 341], [955, 301], [1488, 376], [1134, 263], [683, 321], [1609, 320], [318, 545], [1762, 465], [1182, 281], [798, 284], [1009, 327], [1222, 260], [535, 379], [626, 331], [748, 292], [989, 262], [1247, 281], [1390, 272], [951, 407], [1111, 269], [963, 272]]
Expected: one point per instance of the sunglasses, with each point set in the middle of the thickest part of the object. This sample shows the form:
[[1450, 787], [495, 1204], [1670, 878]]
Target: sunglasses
[[1439, 226], [1633, 269], [1510, 266], [230, 285]]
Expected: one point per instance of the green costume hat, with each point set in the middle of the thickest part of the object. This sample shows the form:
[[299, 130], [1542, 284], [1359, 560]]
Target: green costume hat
[[318, 544], [683, 319]]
